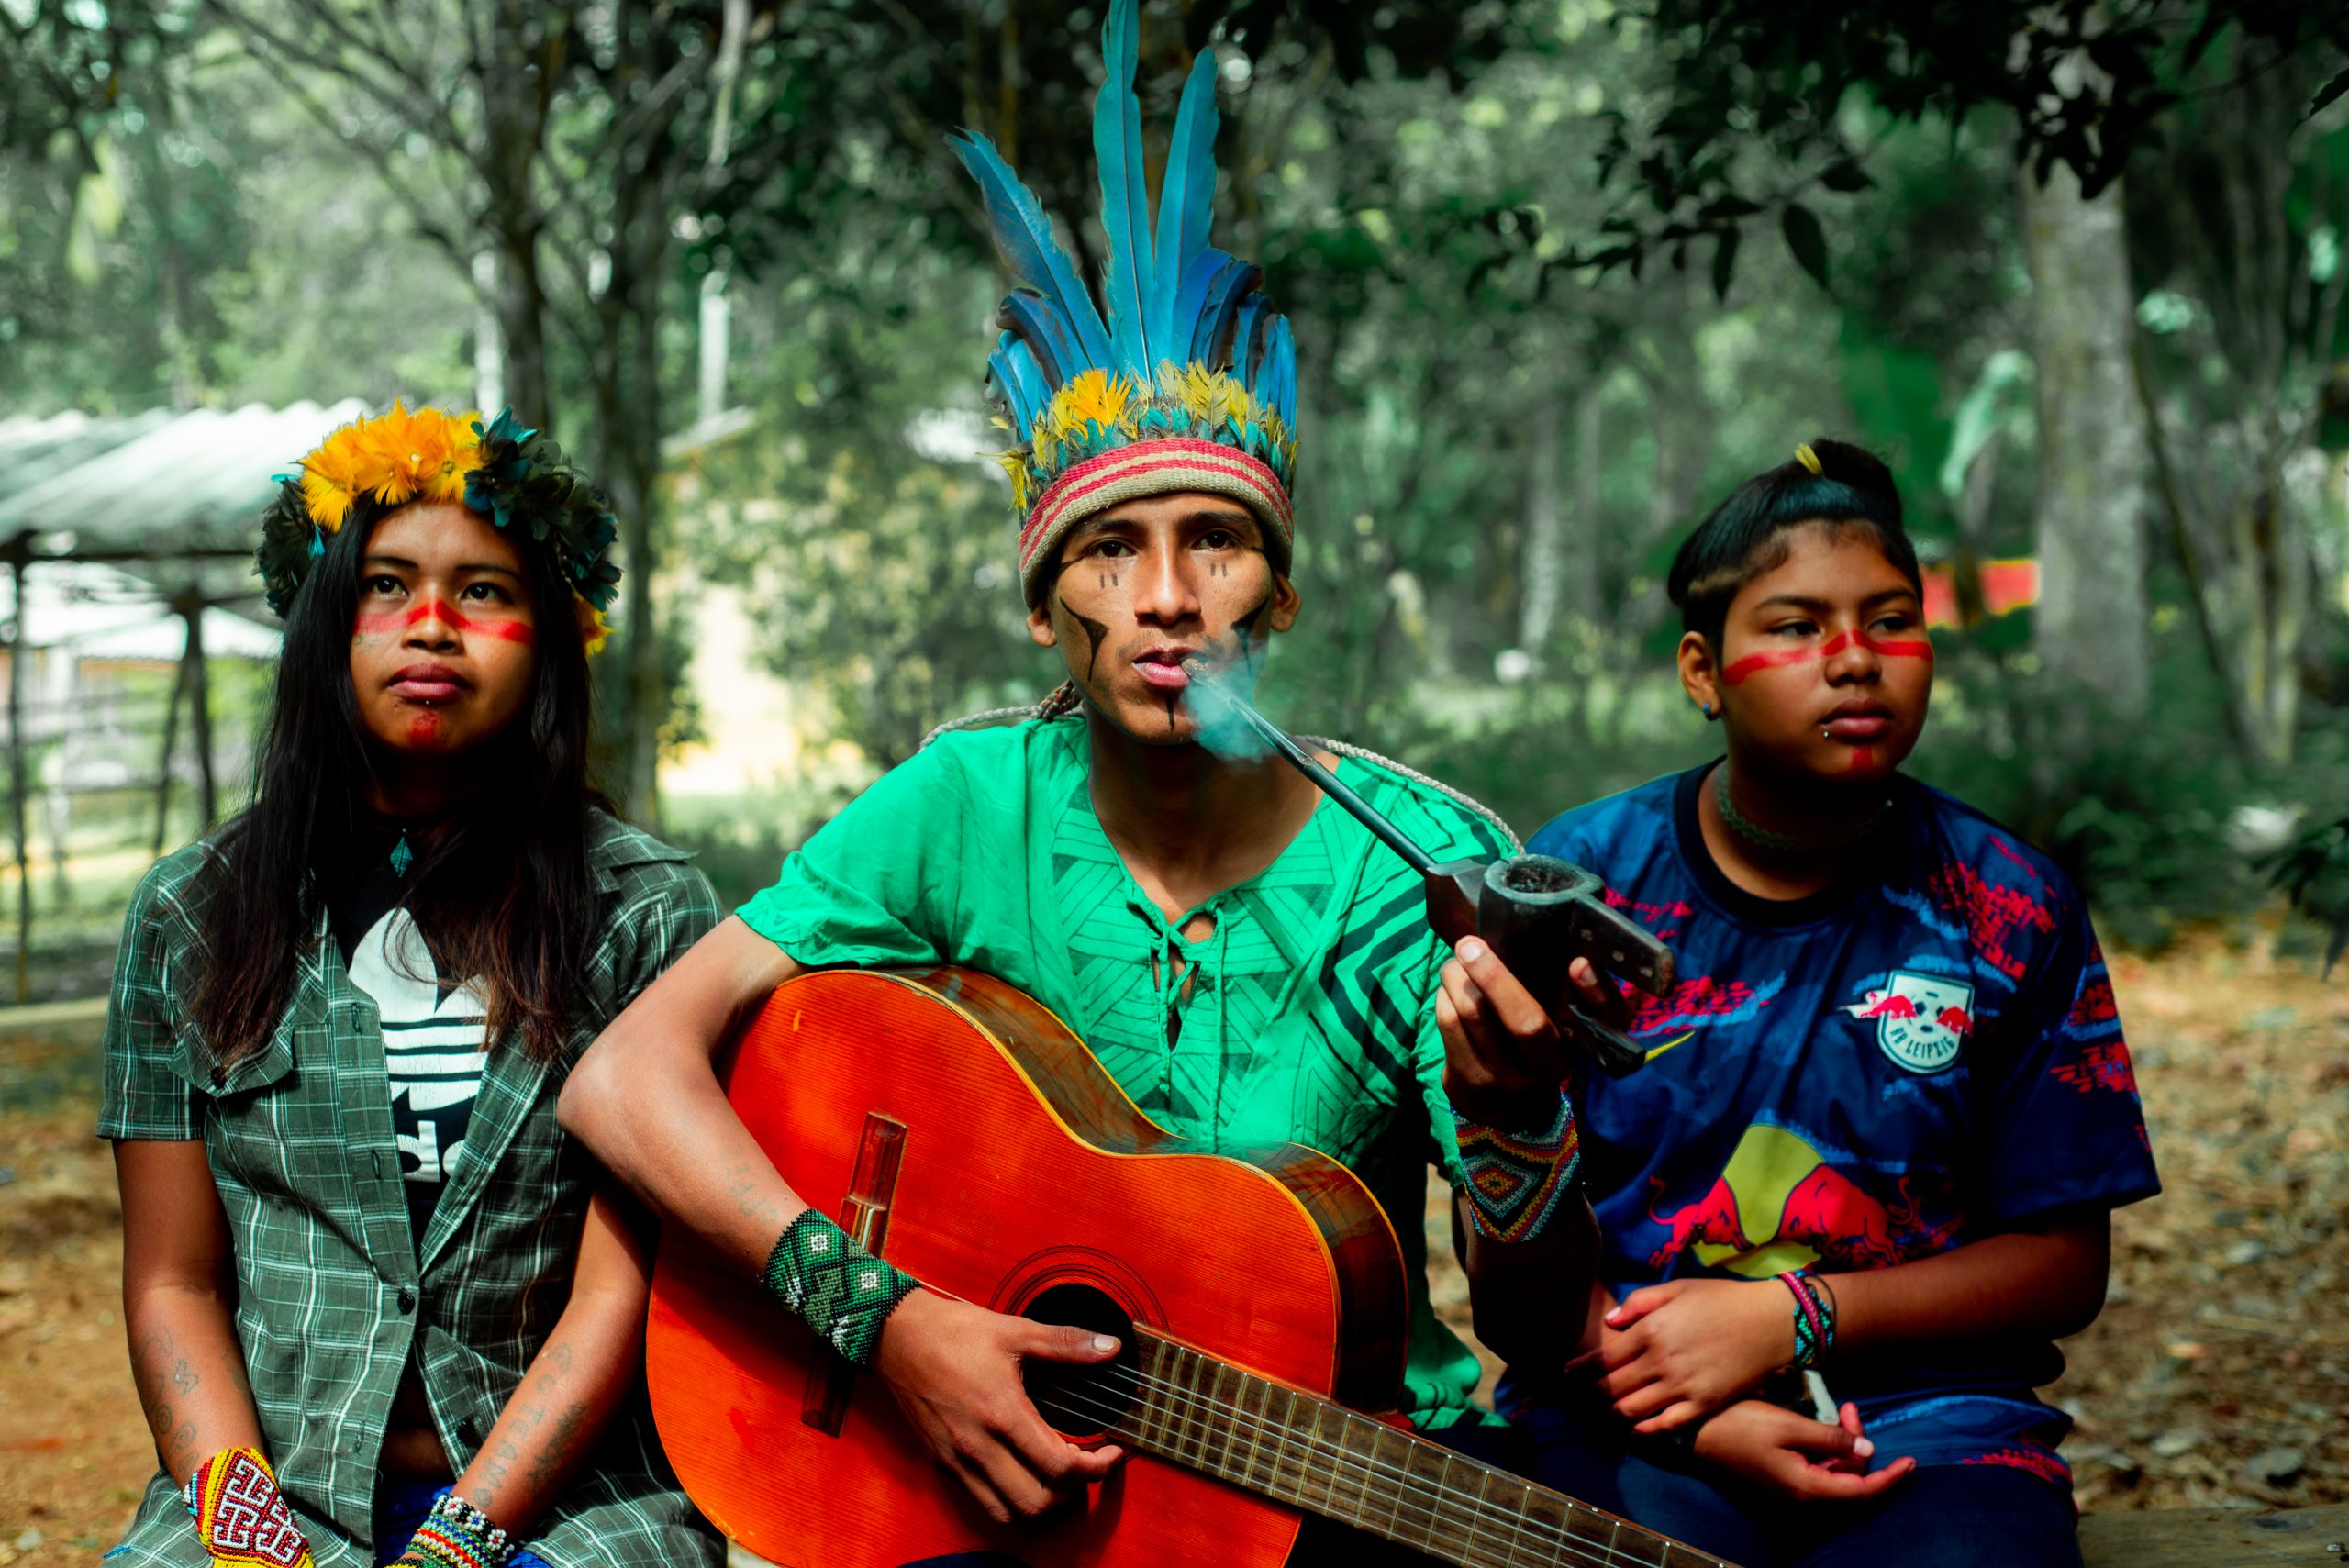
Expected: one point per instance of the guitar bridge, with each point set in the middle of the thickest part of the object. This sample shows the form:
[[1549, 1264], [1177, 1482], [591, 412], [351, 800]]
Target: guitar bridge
[[865, 1214]]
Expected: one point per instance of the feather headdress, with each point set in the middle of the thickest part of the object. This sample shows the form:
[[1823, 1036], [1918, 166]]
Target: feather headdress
[[1189, 383]]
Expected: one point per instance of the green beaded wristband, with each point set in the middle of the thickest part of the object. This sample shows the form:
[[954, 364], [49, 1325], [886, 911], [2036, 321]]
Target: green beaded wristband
[[835, 1287]]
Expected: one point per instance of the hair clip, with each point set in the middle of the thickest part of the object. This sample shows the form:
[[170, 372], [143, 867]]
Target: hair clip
[[1809, 460]]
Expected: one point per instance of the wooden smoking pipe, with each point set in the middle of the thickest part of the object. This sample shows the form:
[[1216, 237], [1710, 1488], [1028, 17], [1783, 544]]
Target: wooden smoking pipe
[[1538, 913]]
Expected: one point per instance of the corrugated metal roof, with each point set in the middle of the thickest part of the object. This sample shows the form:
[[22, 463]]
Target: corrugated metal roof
[[197, 479], [32, 449], [98, 611]]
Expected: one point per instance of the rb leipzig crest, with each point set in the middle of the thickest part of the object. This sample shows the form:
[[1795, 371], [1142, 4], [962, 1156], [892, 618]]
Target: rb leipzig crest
[[1921, 1020]]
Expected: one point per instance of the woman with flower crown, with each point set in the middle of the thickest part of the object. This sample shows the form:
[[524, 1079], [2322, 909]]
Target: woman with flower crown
[[379, 1308]]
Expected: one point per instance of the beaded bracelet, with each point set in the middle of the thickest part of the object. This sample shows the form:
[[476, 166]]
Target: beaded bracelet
[[1515, 1179], [1814, 1319], [239, 1514], [836, 1287], [455, 1534]]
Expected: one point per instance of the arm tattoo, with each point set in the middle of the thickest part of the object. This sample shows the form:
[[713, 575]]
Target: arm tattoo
[[555, 1453]]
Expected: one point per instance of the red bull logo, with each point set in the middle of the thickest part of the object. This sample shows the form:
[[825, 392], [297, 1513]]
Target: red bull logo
[[1920, 1019], [1883, 1005], [1778, 1206]]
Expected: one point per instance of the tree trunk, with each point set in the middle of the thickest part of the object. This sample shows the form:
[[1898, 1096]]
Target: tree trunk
[[629, 421], [1544, 529], [519, 300], [2090, 624], [1585, 585], [633, 440], [513, 123]]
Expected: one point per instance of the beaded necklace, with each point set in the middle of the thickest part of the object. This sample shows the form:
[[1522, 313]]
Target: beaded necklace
[[1790, 844]]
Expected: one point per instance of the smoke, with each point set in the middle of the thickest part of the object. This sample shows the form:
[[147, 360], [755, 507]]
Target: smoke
[[1218, 703]]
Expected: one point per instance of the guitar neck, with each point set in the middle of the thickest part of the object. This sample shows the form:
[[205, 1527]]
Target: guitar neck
[[1190, 1408]]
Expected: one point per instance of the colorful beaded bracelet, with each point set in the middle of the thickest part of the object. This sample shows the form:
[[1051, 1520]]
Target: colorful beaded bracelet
[[835, 1287], [455, 1534], [1515, 1179], [1814, 1319], [240, 1517]]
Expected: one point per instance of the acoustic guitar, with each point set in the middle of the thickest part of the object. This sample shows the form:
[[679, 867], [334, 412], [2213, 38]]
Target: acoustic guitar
[[960, 1130]]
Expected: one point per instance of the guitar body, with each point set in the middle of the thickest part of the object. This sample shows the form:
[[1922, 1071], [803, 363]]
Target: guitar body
[[1023, 1171]]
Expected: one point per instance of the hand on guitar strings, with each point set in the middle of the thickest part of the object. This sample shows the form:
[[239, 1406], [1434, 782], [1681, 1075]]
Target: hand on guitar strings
[[1505, 1056], [954, 1369], [1795, 1456]]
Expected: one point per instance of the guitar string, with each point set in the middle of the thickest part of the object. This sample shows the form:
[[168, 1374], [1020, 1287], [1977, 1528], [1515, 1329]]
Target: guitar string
[[1533, 1532]]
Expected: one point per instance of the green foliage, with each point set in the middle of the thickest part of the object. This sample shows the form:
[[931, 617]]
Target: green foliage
[[2084, 85]]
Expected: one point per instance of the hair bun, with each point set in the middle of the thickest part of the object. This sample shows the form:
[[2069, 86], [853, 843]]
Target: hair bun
[[1861, 470]]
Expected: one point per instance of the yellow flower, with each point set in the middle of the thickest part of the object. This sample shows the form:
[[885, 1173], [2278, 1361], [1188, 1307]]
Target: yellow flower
[[393, 458], [328, 501], [594, 629]]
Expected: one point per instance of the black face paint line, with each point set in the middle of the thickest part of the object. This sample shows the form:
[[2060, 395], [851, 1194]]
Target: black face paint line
[[1093, 628], [1097, 632], [1172, 699], [1246, 627]]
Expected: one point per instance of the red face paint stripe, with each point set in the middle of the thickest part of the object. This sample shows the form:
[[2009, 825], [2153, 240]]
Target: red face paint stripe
[[1777, 660], [505, 630], [1782, 659]]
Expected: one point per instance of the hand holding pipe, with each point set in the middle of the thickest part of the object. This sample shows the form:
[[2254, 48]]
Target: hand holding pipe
[[1538, 913]]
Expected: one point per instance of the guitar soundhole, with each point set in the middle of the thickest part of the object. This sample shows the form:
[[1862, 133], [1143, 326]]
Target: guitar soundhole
[[1084, 1402]]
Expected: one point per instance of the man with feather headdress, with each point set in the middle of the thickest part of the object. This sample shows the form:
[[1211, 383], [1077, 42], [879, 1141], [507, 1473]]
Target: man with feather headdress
[[1253, 971]]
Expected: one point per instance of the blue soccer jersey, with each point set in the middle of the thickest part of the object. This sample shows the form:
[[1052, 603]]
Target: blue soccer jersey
[[1923, 1055]]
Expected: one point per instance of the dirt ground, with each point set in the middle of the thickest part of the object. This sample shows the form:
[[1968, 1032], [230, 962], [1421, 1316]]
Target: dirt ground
[[2218, 1375]]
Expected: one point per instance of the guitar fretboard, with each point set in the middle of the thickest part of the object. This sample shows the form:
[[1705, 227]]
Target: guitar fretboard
[[1188, 1408]]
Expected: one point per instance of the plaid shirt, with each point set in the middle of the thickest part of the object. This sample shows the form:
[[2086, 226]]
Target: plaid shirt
[[335, 1293]]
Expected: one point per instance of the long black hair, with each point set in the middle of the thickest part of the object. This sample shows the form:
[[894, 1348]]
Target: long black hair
[[1746, 535], [506, 889]]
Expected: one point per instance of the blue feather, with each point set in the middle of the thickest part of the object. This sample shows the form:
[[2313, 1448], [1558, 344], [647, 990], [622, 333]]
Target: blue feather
[[1024, 385], [1229, 281], [1247, 331], [1024, 235], [1185, 205], [1130, 279], [1032, 319], [1280, 374]]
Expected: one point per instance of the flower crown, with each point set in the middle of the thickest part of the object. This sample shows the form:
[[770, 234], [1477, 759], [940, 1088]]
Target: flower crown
[[504, 473]]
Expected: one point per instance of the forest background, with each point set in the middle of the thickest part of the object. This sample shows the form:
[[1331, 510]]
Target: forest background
[[1562, 273]]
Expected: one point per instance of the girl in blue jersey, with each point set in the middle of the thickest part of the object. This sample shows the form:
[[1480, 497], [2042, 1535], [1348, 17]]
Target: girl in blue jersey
[[1889, 1109]]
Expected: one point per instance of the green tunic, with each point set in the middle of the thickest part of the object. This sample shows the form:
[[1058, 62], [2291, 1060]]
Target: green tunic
[[1308, 1015]]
